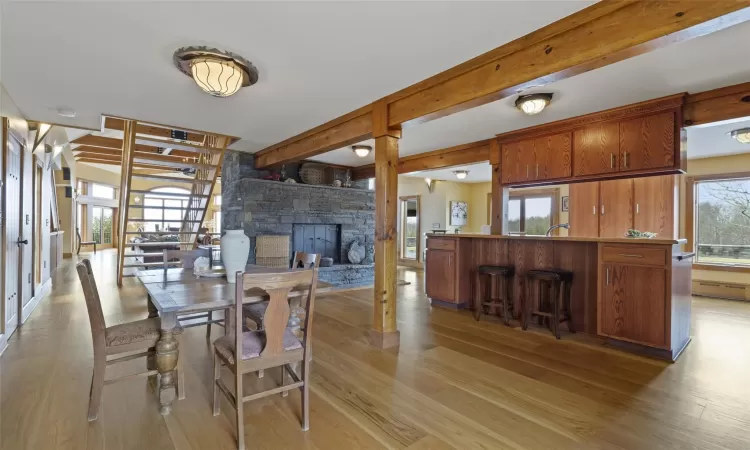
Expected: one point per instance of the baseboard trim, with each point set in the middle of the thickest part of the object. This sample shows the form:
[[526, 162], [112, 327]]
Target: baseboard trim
[[29, 308]]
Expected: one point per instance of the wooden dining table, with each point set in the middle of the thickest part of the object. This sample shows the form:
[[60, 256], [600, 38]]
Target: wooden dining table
[[185, 293]]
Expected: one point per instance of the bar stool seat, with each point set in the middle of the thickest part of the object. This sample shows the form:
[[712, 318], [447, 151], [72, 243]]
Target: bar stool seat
[[498, 275], [557, 282]]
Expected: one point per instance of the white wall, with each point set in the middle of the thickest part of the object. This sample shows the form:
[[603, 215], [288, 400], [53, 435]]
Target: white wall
[[434, 207]]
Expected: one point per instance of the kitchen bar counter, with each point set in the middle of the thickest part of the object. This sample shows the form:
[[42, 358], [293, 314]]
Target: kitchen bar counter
[[622, 240], [633, 292]]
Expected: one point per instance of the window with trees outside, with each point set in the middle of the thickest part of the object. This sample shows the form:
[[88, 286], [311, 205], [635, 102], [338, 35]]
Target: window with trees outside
[[722, 222], [164, 208], [531, 214]]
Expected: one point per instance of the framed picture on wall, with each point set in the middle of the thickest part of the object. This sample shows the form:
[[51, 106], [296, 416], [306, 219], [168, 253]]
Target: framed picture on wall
[[565, 203], [459, 213]]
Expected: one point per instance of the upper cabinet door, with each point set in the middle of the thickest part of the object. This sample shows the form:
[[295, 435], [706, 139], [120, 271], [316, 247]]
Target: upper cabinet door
[[510, 162], [616, 208], [647, 142], [584, 209], [553, 157], [654, 200], [597, 148]]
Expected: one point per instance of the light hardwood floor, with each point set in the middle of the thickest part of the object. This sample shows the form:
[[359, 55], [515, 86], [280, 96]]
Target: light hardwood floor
[[454, 384]]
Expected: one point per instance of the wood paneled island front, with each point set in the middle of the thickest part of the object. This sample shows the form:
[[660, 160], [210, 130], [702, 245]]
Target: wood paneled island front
[[633, 292]]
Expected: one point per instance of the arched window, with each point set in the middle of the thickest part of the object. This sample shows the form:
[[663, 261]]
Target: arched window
[[164, 208]]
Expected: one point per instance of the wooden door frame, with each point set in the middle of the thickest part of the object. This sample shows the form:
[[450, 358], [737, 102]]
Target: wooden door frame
[[417, 262]]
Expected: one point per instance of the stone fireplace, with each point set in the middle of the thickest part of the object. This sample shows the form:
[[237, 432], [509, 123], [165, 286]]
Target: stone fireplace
[[318, 219]]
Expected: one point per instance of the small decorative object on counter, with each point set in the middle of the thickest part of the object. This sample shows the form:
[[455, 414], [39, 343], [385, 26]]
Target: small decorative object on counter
[[290, 180], [273, 177], [348, 179], [283, 172], [640, 234], [336, 183]]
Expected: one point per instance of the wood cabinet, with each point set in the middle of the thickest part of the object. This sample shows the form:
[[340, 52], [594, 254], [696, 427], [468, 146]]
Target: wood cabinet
[[655, 201], [615, 208], [636, 140], [448, 272], [610, 208], [647, 142], [441, 270], [633, 303], [542, 158], [583, 214], [597, 149]]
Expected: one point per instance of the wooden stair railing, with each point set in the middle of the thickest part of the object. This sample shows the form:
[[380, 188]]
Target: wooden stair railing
[[195, 151]]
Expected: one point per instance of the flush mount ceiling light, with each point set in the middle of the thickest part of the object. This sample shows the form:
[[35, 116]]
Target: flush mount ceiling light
[[460, 174], [742, 135], [361, 150], [533, 103], [217, 72]]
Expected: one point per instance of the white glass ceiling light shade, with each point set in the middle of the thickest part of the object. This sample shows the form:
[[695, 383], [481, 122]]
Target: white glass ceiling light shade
[[216, 72], [461, 174], [361, 150], [533, 103], [216, 77], [742, 135]]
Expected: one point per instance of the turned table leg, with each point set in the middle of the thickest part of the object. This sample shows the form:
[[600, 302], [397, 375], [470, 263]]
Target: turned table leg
[[167, 352], [152, 312]]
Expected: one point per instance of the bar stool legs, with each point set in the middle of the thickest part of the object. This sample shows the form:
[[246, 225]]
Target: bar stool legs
[[500, 283]]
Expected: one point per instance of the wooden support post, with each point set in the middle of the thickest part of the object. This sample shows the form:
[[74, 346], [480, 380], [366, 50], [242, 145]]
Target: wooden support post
[[500, 194], [384, 333]]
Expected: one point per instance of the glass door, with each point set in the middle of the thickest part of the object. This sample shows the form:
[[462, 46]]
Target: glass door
[[410, 228], [101, 225]]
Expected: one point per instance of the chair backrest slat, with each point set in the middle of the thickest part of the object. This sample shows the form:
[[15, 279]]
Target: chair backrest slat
[[305, 260], [277, 285], [186, 257], [93, 302]]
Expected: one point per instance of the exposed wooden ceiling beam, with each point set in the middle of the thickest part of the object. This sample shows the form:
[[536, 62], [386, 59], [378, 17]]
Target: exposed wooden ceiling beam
[[110, 162], [731, 102], [458, 155], [108, 142], [597, 36]]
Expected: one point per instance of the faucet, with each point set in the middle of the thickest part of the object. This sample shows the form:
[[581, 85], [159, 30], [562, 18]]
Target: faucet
[[560, 225]]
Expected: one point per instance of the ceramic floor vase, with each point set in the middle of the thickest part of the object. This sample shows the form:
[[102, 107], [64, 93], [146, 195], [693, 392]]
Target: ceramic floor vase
[[235, 247]]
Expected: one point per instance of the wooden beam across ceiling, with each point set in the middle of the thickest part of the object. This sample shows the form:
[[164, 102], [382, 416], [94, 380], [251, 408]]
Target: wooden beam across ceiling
[[597, 36], [471, 153], [731, 102], [108, 142]]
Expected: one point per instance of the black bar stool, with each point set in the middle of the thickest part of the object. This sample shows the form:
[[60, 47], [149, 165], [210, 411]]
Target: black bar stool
[[557, 283], [502, 277]]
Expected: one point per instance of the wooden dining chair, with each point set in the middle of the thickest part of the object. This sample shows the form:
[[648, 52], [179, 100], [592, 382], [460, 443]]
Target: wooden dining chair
[[81, 242], [275, 346], [130, 340], [187, 259], [256, 311]]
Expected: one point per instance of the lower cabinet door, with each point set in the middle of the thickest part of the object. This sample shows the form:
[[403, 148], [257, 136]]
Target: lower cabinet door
[[632, 303], [441, 275]]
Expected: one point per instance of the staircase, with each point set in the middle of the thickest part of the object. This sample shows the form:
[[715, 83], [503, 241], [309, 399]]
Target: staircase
[[177, 157]]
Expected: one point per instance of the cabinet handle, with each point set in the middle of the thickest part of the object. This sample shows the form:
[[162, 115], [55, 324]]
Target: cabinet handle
[[637, 208], [527, 171], [611, 160], [626, 160], [602, 209], [594, 209], [627, 255], [537, 170], [607, 276]]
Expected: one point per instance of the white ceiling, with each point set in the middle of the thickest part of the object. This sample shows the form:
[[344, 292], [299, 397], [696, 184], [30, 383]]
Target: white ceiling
[[707, 141], [701, 64], [317, 60], [478, 173]]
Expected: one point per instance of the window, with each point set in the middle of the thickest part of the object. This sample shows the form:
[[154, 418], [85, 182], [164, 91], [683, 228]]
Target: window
[[102, 191], [217, 222], [164, 208], [371, 184], [531, 213], [722, 221], [217, 200]]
